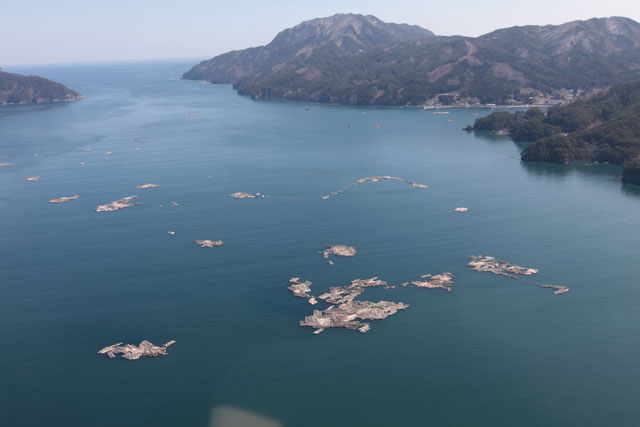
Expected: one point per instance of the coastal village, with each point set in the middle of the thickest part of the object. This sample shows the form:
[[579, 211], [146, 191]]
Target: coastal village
[[530, 98]]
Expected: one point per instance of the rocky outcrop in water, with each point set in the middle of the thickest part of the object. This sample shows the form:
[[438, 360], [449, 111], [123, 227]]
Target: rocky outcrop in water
[[133, 352], [209, 243], [503, 268], [241, 195], [375, 179], [125, 202], [64, 199], [495, 266]]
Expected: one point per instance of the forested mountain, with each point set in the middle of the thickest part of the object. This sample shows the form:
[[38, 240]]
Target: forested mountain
[[19, 89], [355, 59], [604, 127], [309, 42]]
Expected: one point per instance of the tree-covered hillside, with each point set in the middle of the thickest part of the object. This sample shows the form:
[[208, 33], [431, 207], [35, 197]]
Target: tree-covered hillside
[[19, 89], [354, 59], [604, 128]]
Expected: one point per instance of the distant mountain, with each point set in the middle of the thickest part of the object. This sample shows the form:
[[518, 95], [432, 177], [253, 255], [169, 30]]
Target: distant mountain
[[19, 89], [355, 59], [604, 127], [309, 42]]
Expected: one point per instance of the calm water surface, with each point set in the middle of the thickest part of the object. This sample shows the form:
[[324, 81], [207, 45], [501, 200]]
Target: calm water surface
[[494, 352]]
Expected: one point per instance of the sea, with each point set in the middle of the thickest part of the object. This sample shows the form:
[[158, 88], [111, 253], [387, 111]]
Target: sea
[[493, 352]]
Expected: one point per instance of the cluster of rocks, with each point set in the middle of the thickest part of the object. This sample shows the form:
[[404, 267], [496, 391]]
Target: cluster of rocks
[[33, 178], [125, 202], [133, 352], [439, 281], [208, 243], [559, 289], [64, 199], [503, 268], [461, 209], [339, 250], [495, 266], [7, 164], [241, 195], [375, 179], [143, 186], [345, 315], [344, 311], [302, 289]]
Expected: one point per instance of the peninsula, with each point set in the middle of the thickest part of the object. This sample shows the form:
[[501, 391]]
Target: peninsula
[[602, 127], [19, 89]]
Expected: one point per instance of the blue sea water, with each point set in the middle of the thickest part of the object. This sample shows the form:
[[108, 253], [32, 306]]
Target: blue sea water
[[494, 352]]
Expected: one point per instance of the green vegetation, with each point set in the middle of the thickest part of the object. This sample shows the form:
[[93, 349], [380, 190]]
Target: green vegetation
[[603, 127]]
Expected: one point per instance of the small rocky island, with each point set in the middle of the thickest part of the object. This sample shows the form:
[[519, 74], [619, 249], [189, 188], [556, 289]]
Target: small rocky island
[[125, 202], [557, 289], [133, 352], [503, 268], [209, 243], [344, 311], [241, 195], [302, 289], [143, 186], [64, 199], [339, 250], [19, 89], [441, 281], [374, 179], [495, 266]]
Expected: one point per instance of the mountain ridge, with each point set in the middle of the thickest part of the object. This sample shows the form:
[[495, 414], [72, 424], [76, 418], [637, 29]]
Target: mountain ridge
[[510, 65]]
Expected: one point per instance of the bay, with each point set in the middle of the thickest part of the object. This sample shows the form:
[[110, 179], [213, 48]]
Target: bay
[[495, 351]]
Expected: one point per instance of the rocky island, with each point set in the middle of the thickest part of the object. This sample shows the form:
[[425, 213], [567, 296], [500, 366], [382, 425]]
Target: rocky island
[[209, 243], [19, 89], [503, 268], [495, 266], [339, 250], [125, 202], [241, 195], [64, 199], [557, 289], [302, 289], [344, 311], [441, 281], [133, 352]]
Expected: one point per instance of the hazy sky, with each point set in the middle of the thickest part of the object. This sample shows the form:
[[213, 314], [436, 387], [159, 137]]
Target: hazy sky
[[41, 31]]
